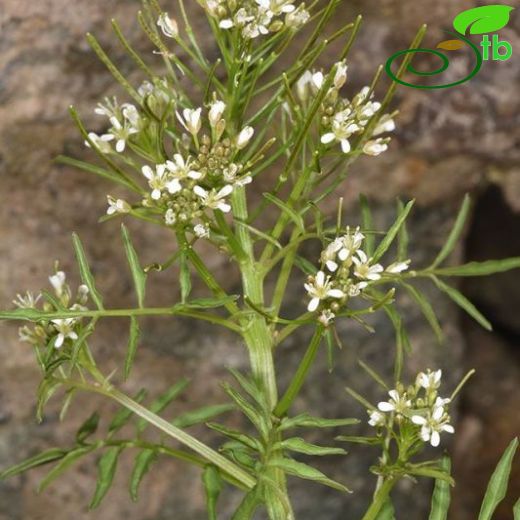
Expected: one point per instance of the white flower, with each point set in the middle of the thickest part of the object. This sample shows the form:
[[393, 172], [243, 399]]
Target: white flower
[[433, 425], [342, 128], [397, 267], [303, 84], [245, 136], [385, 124], [326, 317], [216, 112], [429, 380], [320, 288], [328, 255], [376, 419], [109, 109], [350, 243], [27, 301], [100, 142], [340, 76], [356, 288], [145, 89], [117, 206], [370, 108], [181, 168], [119, 132], [297, 18], [191, 120], [363, 268], [214, 199], [83, 292], [169, 217], [159, 181], [201, 231], [397, 403], [317, 80], [168, 26], [65, 328], [375, 148], [226, 24], [58, 282]]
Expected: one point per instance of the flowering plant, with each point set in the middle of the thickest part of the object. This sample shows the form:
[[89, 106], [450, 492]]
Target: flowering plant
[[186, 148]]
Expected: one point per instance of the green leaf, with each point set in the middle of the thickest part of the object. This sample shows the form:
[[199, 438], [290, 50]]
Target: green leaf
[[299, 445], [106, 470], [392, 232], [243, 438], [89, 427], [402, 237], [463, 303], [46, 390], [143, 461], [184, 277], [373, 374], [251, 387], [85, 272], [82, 338], [436, 473], [138, 275], [64, 464], [426, 309], [289, 212], [22, 314], [308, 421], [368, 225], [123, 416], [480, 268], [304, 265], [455, 232], [441, 494], [38, 460], [481, 20], [213, 486], [516, 510], [301, 470], [497, 487], [369, 441], [201, 415], [133, 341], [209, 303], [164, 400]]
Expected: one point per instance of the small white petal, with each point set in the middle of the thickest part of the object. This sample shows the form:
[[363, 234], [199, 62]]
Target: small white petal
[[435, 439], [313, 304], [328, 138], [386, 407]]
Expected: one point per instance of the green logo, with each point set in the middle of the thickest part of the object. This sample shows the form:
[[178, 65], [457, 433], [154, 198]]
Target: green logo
[[479, 20]]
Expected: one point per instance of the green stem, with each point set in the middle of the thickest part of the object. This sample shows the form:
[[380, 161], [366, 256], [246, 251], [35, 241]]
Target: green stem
[[301, 374], [380, 499], [172, 431]]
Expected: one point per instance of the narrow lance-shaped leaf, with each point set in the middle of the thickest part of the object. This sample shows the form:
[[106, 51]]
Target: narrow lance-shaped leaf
[[301, 470], [288, 211], [464, 303], [426, 309], [392, 232], [38, 460], [138, 274], [497, 487], [133, 341], [106, 470], [184, 278], [201, 415], [64, 464], [387, 511], [143, 461], [441, 494], [87, 428], [213, 486], [307, 421], [299, 445], [85, 272], [480, 268], [402, 237], [455, 232]]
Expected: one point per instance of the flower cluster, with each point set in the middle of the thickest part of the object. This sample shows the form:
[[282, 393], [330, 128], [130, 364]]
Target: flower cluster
[[58, 331], [419, 405], [351, 272], [341, 118], [255, 18]]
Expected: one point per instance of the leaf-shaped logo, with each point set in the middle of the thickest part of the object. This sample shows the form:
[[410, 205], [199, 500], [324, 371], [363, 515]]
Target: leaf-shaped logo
[[450, 45], [481, 20]]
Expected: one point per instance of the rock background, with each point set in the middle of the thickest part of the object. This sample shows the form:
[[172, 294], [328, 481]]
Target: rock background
[[464, 139]]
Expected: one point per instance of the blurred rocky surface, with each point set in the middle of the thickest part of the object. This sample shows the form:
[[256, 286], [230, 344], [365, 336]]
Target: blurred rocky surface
[[448, 142]]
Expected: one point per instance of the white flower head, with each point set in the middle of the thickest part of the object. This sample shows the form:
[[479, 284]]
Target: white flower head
[[120, 132], [398, 267], [214, 199], [385, 124], [320, 288], [169, 26], [297, 18], [65, 329], [216, 112], [326, 317], [363, 269], [342, 128], [158, 180], [398, 403], [181, 169], [376, 418], [433, 425], [191, 120], [350, 242], [245, 136], [328, 255], [58, 281], [100, 142], [429, 380], [375, 147], [170, 218], [26, 301], [201, 231], [303, 85], [317, 80], [117, 206], [340, 77]]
